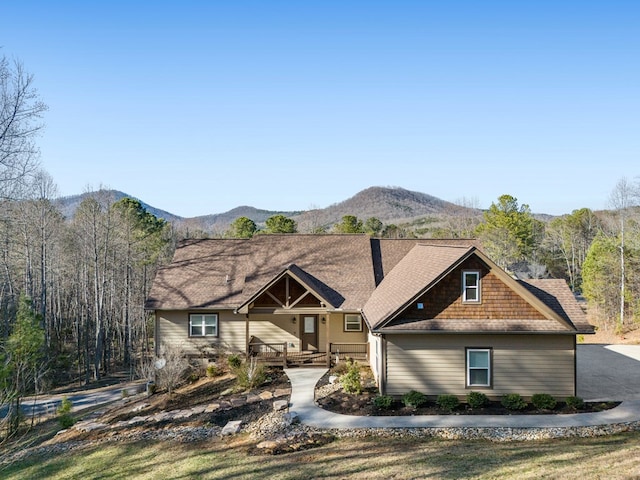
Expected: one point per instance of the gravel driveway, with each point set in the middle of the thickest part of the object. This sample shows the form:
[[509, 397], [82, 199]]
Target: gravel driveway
[[608, 372]]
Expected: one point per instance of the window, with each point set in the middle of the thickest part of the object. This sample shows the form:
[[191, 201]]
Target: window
[[352, 323], [203, 325], [478, 367], [471, 286]]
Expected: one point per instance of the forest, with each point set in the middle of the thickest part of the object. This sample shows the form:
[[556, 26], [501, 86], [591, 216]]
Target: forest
[[72, 289]]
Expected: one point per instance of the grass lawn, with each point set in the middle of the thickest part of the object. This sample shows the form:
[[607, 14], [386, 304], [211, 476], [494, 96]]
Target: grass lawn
[[612, 457]]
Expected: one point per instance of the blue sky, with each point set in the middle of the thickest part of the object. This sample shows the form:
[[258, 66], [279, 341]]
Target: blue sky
[[197, 107]]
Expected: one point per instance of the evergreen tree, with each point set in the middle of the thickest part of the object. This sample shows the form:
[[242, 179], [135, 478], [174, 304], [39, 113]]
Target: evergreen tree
[[349, 224], [280, 224], [21, 360], [242, 227]]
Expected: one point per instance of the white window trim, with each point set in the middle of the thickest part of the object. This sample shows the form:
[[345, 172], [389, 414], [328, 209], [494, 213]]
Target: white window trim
[[201, 322], [465, 287], [352, 322], [470, 368]]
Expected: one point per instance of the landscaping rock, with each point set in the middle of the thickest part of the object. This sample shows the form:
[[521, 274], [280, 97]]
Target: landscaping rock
[[266, 395], [282, 392], [279, 405], [231, 428], [137, 408], [291, 418]]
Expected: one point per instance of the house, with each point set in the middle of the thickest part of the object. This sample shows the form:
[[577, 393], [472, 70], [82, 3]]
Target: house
[[437, 316]]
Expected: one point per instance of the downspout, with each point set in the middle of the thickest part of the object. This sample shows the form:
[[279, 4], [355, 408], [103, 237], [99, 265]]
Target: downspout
[[383, 365], [575, 366]]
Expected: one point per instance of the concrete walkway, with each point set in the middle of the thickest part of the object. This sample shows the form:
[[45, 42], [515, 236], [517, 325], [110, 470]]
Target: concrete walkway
[[304, 380]]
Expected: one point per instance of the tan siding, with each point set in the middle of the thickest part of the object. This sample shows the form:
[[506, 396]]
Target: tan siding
[[338, 335], [275, 329], [172, 327], [525, 364], [374, 355]]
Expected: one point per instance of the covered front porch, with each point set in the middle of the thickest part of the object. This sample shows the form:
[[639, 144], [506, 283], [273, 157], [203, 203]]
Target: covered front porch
[[294, 319], [279, 355]]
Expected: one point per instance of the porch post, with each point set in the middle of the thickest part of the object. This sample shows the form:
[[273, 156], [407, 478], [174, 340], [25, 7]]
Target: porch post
[[284, 355], [328, 332], [246, 336]]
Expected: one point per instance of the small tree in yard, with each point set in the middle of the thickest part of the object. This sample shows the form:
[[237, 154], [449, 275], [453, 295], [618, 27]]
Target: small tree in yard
[[64, 413], [352, 381], [21, 361], [251, 374], [171, 366]]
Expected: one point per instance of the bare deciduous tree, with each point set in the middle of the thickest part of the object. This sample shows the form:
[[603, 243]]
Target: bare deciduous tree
[[171, 367], [624, 195], [20, 113]]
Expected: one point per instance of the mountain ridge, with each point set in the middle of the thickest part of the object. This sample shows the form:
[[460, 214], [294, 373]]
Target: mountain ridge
[[388, 204]]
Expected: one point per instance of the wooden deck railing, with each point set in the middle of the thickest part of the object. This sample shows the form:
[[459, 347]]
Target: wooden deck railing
[[342, 351], [277, 353], [269, 352]]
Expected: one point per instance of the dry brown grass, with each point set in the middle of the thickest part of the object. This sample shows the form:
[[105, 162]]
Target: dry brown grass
[[615, 457]]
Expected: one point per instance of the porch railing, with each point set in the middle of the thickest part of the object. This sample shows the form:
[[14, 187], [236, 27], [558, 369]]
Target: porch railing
[[272, 352], [277, 354], [343, 351]]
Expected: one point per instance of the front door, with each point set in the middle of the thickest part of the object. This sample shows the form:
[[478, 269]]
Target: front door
[[309, 332]]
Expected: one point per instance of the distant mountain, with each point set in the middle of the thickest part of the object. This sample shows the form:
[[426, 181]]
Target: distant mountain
[[220, 222], [68, 205], [388, 204]]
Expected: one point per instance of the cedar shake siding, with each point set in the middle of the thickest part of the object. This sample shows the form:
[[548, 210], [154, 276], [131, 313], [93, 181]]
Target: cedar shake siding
[[498, 301], [524, 364]]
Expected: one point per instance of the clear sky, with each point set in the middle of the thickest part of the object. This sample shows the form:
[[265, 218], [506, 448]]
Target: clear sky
[[197, 107]]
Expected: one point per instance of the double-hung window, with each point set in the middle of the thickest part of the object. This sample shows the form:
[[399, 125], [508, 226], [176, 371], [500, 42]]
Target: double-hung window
[[352, 323], [471, 286], [478, 367], [203, 325]]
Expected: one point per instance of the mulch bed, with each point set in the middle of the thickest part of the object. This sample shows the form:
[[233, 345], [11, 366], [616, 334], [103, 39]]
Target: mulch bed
[[352, 404]]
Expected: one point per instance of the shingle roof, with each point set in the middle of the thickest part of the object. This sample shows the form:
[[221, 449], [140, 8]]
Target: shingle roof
[[351, 272], [558, 296], [224, 273], [203, 274]]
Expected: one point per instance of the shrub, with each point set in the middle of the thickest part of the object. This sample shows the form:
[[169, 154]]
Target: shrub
[[513, 401], [340, 368], [234, 361], [447, 402], [414, 399], [477, 399], [251, 375], [171, 366], [64, 413], [212, 370], [574, 402], [543, 401], [383, 401], [351, 381]]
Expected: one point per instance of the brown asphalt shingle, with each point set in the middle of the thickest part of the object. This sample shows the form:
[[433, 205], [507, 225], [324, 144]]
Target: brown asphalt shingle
[[344, 269], [224, 273]]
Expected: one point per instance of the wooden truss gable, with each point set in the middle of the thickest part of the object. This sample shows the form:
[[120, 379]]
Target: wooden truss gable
[[287, 293]]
